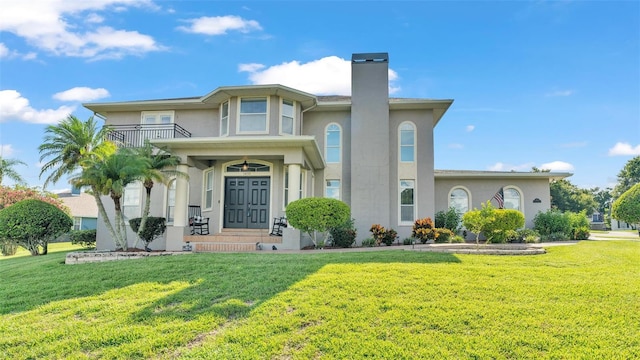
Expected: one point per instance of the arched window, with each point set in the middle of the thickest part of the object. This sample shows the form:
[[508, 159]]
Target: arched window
[[333, 144], [171, 201], [512, 198], [459, 199], [407, 135]]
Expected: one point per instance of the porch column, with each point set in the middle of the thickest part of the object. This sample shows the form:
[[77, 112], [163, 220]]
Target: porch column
[[294, 182], [182, 186]]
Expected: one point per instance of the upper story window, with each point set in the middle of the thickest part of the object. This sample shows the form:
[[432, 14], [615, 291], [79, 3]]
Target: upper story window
[[332, 189], [333, 143], [407, 136], [459, 200], [286, 119], [224, 119], [253, 116], [157, 117]]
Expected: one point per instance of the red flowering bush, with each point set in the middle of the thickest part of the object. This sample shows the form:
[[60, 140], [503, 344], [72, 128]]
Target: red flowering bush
[[10, 196], [382, 235]]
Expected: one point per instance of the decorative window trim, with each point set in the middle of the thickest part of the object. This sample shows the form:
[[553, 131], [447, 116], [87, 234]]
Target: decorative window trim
[[172, 182], [145, 114], [239, 118], [415, 202], [205, 189], [292, 117], [465, 189], [326, 146], [400, 146], [224, 130], [521, 205]]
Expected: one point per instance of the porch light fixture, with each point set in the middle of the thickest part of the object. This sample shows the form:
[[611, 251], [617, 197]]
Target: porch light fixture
[[245, 166]]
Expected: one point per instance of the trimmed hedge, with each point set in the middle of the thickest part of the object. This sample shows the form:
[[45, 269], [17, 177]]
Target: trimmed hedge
[[86, 238]]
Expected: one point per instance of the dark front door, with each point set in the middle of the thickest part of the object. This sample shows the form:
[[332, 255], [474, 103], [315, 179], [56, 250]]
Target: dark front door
[[246, 202]]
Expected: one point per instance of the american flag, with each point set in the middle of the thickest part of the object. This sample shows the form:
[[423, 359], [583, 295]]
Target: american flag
[[499, 196]]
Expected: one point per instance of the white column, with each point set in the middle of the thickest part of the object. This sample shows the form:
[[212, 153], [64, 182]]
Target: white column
[[294, 182], [182, 187]]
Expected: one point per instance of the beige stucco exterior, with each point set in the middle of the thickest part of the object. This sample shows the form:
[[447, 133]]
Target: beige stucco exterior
[[369, 170]]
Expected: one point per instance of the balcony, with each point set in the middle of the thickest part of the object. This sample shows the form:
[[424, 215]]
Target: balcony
[[134, 135]]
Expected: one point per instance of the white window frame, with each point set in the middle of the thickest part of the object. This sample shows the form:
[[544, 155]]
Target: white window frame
[[292, 117], [224, 128], [173, 182], [400, 205], [400, 146], [207, 174], [266, 114], [157, 116], [77, 223], [134, 202], [327, 187], [521, 204], [466, 190], [326, 143], [285, 182]]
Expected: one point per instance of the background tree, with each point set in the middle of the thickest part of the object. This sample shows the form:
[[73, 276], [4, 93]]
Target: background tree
[[603, 198], [628, 176], [627, 206], [12, 195], [7, 170], [567, 197], [32, 224]]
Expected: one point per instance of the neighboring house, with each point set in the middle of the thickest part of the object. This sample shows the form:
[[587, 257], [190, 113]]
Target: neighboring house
[[250, 150], [83, 209]]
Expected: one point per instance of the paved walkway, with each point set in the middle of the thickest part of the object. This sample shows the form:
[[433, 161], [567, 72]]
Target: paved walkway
[[615, 235]]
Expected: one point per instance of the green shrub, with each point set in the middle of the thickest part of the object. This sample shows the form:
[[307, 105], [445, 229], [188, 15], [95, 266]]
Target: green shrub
[[32, 224], [497, 225], [456, 239], [86, 238], [408, 241], [524, 236], [8, 247], [449, 219], [313, 215], [369, 242], [443, 235], [424, 230], [343, 235], [382, 235], [551, 222], [154, 227], [581, 233], [556, 236], [627, 206]]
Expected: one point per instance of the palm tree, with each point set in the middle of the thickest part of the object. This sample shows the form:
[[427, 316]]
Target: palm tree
[[7, 169], [110, 176], [71, 142], [161, 169]]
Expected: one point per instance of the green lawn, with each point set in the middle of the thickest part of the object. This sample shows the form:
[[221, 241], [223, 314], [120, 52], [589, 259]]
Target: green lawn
[[578, 301]]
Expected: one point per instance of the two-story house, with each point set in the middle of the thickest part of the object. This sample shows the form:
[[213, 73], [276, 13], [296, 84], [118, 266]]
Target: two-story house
[[250, 150]]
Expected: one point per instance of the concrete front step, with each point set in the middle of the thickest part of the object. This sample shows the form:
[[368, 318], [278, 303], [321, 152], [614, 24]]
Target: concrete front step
[[233, 240]]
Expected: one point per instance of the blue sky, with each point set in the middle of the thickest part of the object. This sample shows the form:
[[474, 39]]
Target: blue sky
[[548, 84]]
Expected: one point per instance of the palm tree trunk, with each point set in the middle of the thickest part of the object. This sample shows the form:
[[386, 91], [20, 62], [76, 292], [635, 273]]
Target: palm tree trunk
[[121, 238], [103, 214], [145, 212]]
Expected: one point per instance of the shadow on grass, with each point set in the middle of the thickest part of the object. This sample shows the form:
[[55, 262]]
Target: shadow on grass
[[247, 279]]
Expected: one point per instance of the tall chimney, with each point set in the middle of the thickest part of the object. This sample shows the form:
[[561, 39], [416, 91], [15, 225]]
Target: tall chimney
[[370, 186]]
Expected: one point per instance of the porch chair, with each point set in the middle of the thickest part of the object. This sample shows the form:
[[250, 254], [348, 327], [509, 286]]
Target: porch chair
[[197, 223], [278, 224]]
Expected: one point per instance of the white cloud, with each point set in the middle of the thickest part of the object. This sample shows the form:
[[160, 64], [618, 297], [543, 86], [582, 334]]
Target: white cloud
[[499, 166], [6, 150], [624, 149], [81, 94], [219, 25], [557, 166], [470, 128], [50, 25], [11, 54], [559, 93], [15, 107], [327, 76], [4, 52]]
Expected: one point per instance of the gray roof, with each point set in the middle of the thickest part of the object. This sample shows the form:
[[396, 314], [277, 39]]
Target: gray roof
[[499, 174], [83, 205]]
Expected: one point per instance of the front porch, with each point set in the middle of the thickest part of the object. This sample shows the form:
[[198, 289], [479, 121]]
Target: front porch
[[234, 240]]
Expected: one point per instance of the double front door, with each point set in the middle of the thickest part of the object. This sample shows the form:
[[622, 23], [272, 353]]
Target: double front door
[[246, 202]]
